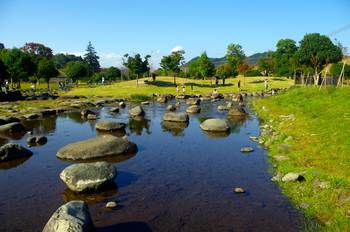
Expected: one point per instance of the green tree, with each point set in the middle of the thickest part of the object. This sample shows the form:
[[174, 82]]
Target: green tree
[[2, 46], [19, 65], [206, 68], [3, 72], [193, 69], [172, 63], [37, 49], [285, 57], [136, 66], [75, 70], [46, 69], [266, 63], [91, 58], [224, 71], [234, 56], [61, 59], [317, 51]]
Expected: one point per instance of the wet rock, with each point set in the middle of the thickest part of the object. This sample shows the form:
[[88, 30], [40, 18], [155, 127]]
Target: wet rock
[[239, 111], [177, 104], [31, 116], [223, 108], [100, 146], [111, 204], [247, 149], [114, 110], [14, 127], [73, 216], [7, 120], [215, 125], [215, 100], [176, 117], [162, 99], [41, 140], [31, 140], [86, 112], [136, 111], [91, 117], [194, 109], [47, 112], [292, 177], [193, 101], [109, 126], [239, 190], [145, 103], [122, 104], [12, 151], [254, 138], [170, 108], [88, 176]]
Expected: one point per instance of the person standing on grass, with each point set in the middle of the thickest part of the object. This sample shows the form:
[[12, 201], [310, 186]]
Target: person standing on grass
[[266, 84], [177, 90], [239, 85], [183, 90]]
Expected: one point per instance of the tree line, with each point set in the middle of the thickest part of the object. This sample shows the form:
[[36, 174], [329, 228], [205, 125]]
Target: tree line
[[35, 62]]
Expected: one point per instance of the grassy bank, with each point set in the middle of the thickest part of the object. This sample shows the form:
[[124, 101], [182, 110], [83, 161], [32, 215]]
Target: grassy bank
[[164, 85], [316, 125]]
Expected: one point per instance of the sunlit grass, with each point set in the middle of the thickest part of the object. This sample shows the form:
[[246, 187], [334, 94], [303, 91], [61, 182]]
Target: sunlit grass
[[321, 147]]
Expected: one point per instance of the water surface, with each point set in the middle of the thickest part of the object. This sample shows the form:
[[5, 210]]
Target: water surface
[[181, 179]]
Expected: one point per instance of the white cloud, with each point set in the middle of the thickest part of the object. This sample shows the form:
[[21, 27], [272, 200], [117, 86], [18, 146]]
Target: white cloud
[[177, 49], [111, 59]]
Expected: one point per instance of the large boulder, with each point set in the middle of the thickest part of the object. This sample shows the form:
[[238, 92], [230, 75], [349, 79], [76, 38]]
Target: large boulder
[[73, 216], [136, 111], [170, 108], [7, 120], [176, 117], [100, 146], [237, 111], [88, 176], [12, 151], [14, 127], [109, 126], [215, 125], [193, 109], [86, 112]]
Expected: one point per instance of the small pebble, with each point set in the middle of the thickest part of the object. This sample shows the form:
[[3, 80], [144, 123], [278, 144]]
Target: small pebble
[[239, 190], [111, 204], [247, 149]]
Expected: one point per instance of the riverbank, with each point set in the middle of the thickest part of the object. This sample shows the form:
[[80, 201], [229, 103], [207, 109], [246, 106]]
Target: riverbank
[[306, 131]]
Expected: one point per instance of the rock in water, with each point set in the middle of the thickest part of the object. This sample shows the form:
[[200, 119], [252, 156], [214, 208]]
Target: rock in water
[[88, 176], [193, 109], [111, 204], [136, 111], [73, 216], [176, 117], [12, 151], [100, 146], [247, 149], [109, 126], [193, 101], [14, 127], [239, 190], [215, 125], [170, 108], [237, 112], [114, 110]]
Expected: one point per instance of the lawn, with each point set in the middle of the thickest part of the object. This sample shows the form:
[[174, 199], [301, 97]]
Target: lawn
[[165, 85], [320, 147]]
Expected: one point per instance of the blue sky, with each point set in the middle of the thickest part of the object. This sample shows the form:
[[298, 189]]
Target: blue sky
[[156, 26]]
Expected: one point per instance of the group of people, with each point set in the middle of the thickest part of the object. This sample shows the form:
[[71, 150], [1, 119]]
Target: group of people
[[266, 85]]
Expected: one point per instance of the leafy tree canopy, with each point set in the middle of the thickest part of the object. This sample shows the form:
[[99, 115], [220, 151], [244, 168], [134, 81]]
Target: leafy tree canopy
[[136, 65], [61, 59], [76, 70], [234, 55], [37, 49]]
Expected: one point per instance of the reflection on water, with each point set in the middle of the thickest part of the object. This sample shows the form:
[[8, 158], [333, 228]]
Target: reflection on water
[[138, 124], [175, 128], [181, 179], [106, 192], [13, 163]]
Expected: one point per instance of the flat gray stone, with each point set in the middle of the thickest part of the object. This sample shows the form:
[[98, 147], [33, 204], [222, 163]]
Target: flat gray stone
[[215, 125], [100, 146], [88, 176], [194, 109], [109, 126], [247, 149], [136, 111], [176, 117]]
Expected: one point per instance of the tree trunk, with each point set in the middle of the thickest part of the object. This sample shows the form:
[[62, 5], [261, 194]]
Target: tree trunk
[[48, 85], [174, 79], [137, 80]]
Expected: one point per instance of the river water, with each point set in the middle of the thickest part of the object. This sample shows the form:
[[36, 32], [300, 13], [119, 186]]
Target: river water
[[181, 179]]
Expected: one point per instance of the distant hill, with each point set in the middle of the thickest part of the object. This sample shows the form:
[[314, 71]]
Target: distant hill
[[252, 60]]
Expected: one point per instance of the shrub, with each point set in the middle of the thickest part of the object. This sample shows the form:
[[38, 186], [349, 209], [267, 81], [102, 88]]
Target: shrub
[[253, 73]]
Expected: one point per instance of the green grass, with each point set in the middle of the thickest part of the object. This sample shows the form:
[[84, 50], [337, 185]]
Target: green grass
[[164, 85], [320, 146]]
